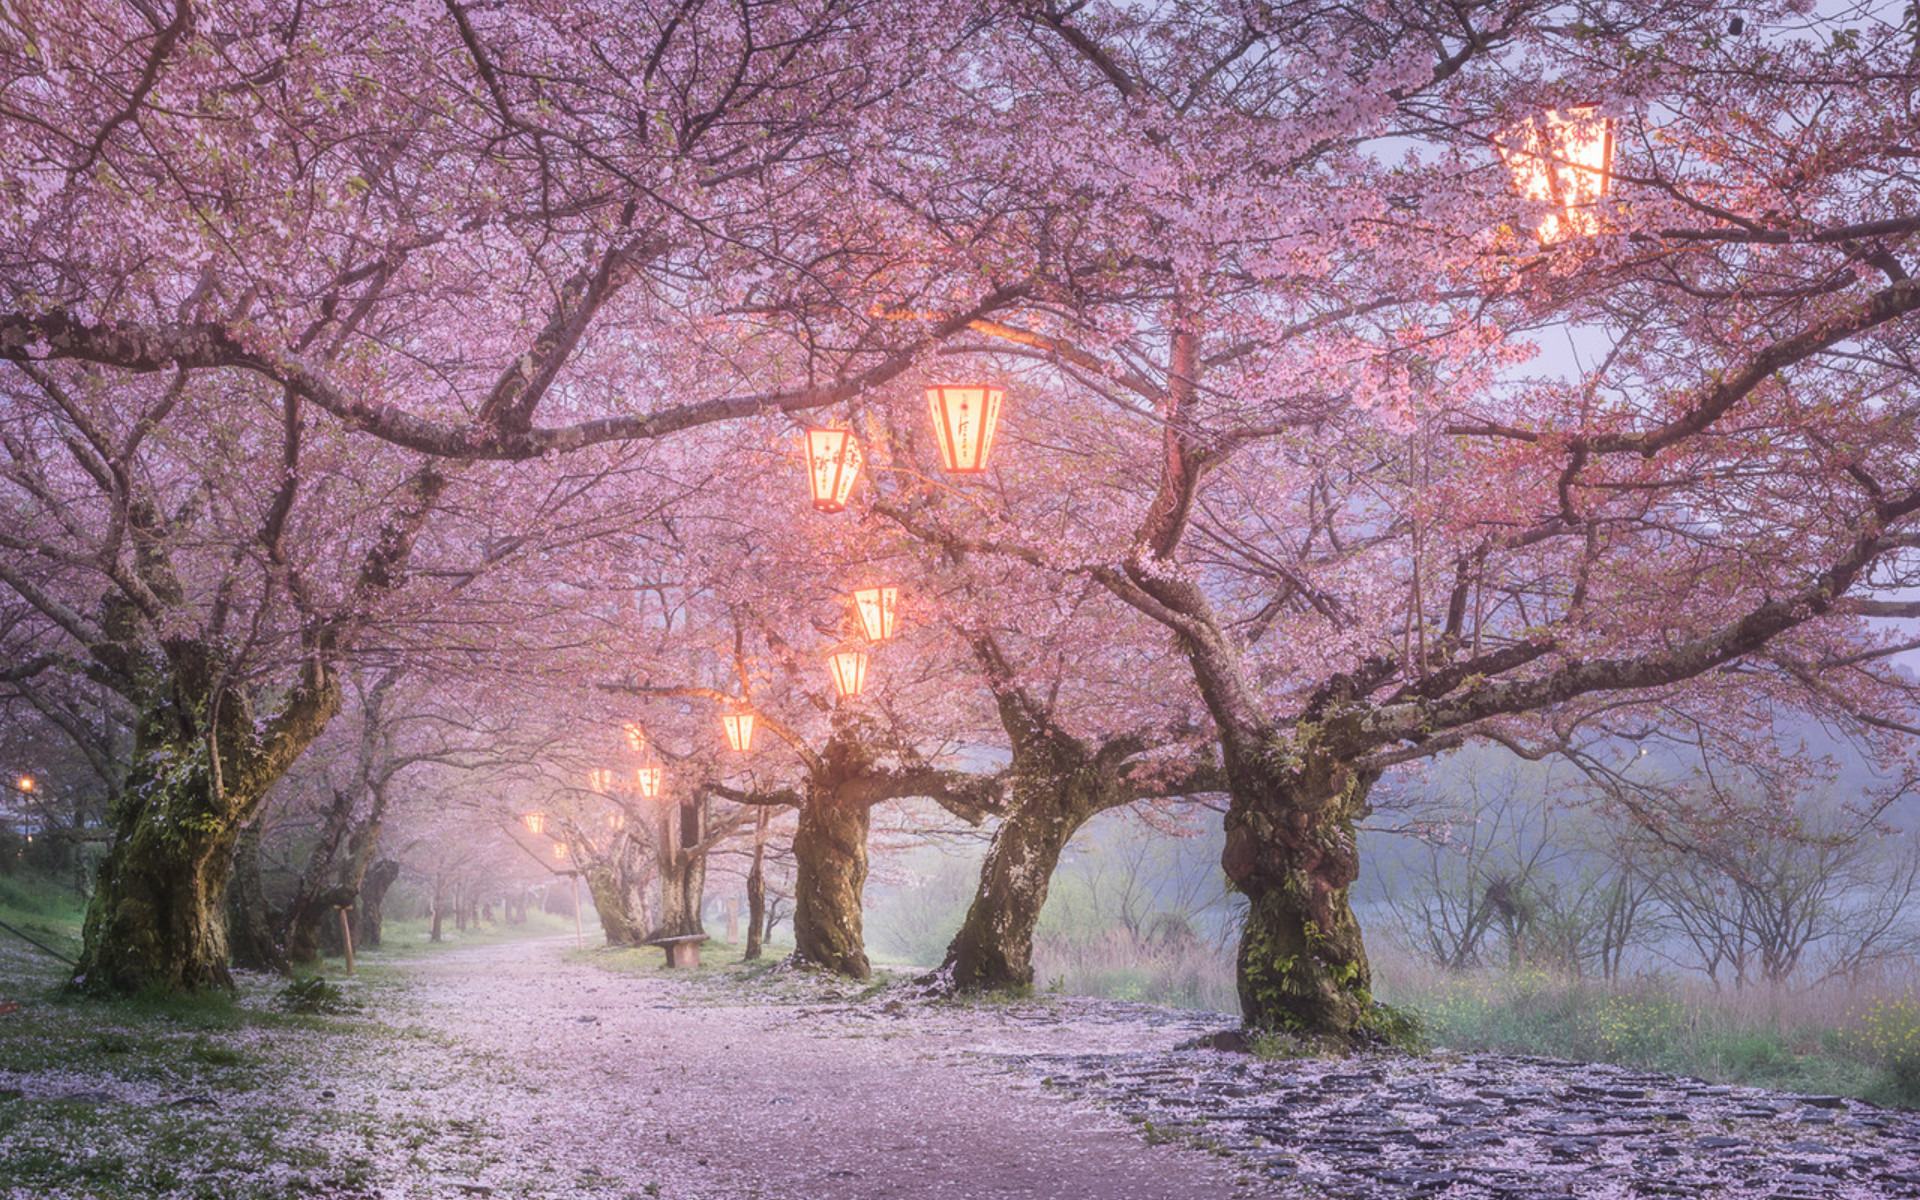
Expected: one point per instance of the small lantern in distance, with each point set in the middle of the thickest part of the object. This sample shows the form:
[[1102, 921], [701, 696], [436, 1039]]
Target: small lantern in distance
[[833, 463], [560, 850], [1565, 158], [739, 727], [849, 669], [648, 779], [636, 737], [599, 780], [964, 419], [536, 822], [874, 606], [617, 822]]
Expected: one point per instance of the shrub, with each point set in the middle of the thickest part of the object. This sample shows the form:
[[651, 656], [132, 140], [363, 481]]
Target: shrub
[[315, 995]]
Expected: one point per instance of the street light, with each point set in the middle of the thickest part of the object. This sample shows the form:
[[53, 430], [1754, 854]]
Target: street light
[[964, 419], [833, 463], [739, 727], [1564, 157], [874, 606], [849, 669]]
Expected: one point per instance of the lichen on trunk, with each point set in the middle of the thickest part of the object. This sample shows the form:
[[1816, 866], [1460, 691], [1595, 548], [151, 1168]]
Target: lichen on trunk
[[830, 858], [201, 766], [1291, 850]]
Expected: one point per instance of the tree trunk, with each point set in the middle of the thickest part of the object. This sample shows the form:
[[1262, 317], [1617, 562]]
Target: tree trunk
[[201, 765], [994, 945], [830, 857], [373, 901], [250, 940], [1291, 851], [613, 898], [757, 889]]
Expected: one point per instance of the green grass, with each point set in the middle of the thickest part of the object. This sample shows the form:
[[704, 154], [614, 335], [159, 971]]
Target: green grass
[[159, 1095], [1832, 1045]]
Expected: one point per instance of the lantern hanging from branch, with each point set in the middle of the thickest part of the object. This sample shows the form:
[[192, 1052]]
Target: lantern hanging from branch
[[833, 463], [636, 737], [739, 727], [617, 822], [536, 822], [849, 669], [874, 606], [599, 780], [648, 780], [964, 419], [560, 850], [1563, 157]]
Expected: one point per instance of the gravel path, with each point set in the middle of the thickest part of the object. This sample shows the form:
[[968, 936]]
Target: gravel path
[[576, 1080]]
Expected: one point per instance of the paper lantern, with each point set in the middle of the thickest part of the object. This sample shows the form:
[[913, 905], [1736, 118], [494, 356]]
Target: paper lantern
[[739, 727], [648, 780], [636, 737], [599, 780], [1563, 157], [833, 463], [560, 850], [26, 783], [874, 606], [964, 419], [849, 669], [536, 822], [617, 822]]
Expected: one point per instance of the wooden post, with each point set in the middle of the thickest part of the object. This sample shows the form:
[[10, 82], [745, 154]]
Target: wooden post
[[346, 939]]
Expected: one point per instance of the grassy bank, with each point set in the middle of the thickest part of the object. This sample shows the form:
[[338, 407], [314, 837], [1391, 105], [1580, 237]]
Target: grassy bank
[[1862, 1042]]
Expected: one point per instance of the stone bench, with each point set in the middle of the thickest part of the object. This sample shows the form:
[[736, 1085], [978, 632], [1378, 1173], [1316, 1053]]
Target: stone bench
[[682, 951]]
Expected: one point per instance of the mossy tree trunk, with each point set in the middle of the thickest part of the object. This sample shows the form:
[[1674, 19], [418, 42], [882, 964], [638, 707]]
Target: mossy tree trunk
[[201, 767], [830, 858], [370, 924], [250, 928], [1292, 851], [993, 947]]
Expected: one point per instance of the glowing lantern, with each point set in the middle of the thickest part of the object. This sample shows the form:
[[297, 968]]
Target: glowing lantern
[[617, 822], [636, 737], [874, 605], [964, 419], [599, 780], [26, 783], [849, 669], [1566, 159], [739, 727], [536, 822], [833, 463], [648, 779], [559, 849]]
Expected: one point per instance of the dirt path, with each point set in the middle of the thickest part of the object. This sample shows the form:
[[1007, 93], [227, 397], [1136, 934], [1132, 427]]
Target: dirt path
[[574, 1080]]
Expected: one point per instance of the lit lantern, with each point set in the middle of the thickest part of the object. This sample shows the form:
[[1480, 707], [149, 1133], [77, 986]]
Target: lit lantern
[[874, 605], [636, 737], [833, 463], [599, 780], [964, 419], [617, 822], [739, 727], [1564, 158], [26, 783], [560, 850], [849, 669], [648, 779], [536, 822]]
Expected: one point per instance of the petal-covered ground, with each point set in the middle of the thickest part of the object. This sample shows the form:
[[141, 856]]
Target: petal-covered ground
[[532, 1070]]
